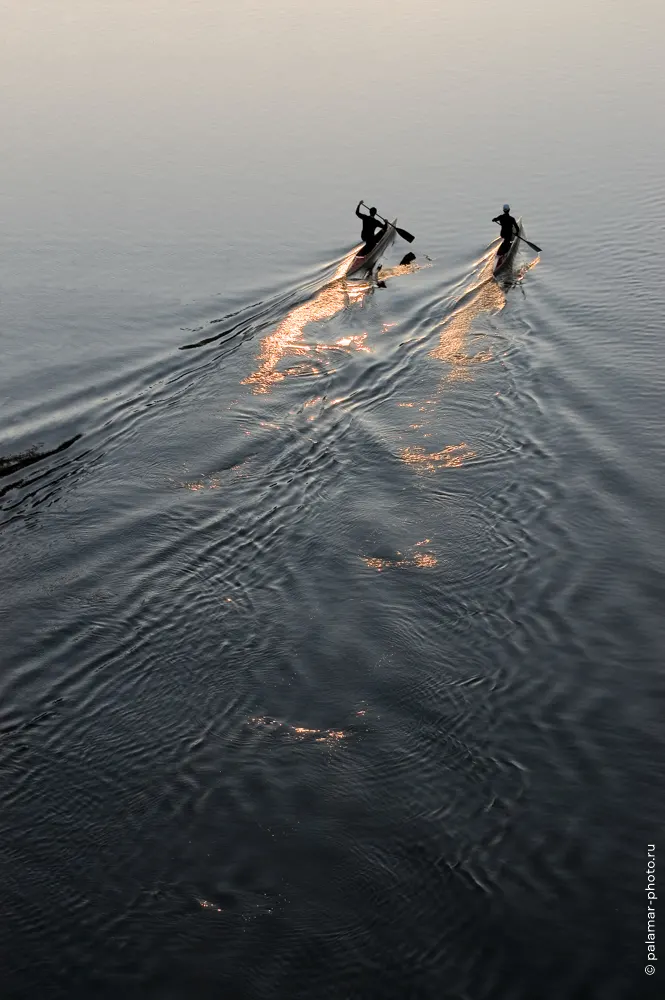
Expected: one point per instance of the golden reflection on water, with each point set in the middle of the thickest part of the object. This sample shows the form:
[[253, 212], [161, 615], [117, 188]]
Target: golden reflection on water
[[358, 342], [519, 274], [400, 269], [420, 560], [287, 340], [205, 904], [451, 457], [484, 295], [211, 484], [487, 295], [299, 732], [216, 480], [424, 560]]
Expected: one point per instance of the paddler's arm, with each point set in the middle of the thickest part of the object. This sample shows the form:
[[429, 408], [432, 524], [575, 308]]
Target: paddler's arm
[[359, 213], [498, 219]]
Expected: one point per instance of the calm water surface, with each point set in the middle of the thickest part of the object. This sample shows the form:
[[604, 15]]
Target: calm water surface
[[331, 615]]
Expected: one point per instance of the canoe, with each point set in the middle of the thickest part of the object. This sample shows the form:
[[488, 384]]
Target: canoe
[[502, 263], [366, 263]]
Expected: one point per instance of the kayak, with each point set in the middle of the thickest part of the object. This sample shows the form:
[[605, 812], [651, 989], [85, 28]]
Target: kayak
[[501, 263], [366, 263]]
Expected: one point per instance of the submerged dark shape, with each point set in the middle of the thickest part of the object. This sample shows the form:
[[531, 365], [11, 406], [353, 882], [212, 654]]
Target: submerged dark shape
[[13, 463], [408, 258]]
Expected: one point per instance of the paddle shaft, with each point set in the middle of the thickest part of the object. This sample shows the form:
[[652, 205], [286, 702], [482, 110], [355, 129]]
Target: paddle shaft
[[532, 245], [409, 237]]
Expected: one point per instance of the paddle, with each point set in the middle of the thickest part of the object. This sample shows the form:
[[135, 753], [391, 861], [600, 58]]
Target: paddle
[[532, 245], [409, 237]]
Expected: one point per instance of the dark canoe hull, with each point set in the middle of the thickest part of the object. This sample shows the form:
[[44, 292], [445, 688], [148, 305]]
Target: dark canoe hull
[[366, 263], [503, 263]]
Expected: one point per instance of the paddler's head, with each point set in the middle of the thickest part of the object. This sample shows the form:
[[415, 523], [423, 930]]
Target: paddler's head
[[506, 208], [372, 211]]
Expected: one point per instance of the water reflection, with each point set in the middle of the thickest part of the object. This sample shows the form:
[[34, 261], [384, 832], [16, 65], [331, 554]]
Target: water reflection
[[298, 732], [288, 338], [418, 557], [486, 295], [383, 274], [451, 457], [215, 480]]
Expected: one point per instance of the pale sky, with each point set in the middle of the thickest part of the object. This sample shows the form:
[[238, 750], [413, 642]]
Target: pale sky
[[134, 107]]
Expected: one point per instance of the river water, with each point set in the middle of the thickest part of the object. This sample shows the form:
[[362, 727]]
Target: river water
[[331, 620]]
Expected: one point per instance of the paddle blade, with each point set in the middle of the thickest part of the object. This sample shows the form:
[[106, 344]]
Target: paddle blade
[[409, 237], [532, 245]]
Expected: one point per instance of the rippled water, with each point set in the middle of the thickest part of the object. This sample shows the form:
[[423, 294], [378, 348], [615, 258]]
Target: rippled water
[[331, 611]]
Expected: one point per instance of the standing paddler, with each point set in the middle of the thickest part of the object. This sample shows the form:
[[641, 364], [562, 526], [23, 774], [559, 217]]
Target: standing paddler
[[509, 228], [369, 231]]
